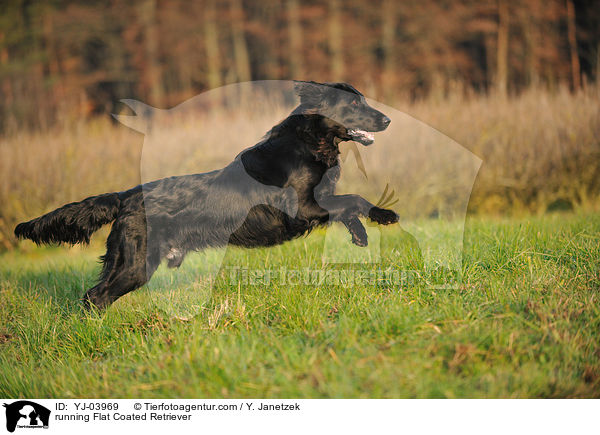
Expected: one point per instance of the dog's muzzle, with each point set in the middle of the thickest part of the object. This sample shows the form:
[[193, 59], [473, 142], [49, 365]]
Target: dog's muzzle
[[362, 136]]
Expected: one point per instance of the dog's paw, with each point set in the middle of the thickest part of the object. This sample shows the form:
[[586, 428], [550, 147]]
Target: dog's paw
[[383, 216], [358, 232], [360, 239]]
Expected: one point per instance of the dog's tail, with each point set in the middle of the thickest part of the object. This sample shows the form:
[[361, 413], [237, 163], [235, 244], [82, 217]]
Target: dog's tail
[[72, 223]]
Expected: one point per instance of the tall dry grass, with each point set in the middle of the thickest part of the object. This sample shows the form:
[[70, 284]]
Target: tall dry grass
[[540, 150]]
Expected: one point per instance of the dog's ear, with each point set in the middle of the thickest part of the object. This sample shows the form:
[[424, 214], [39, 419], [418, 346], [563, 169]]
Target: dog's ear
[[310, 93]]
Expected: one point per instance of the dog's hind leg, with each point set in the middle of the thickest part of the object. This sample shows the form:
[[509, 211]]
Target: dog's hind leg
[[127, 265], [124, 281]]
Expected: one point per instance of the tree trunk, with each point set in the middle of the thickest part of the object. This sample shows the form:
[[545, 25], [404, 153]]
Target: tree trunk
[[269, 67], [502, 48], [597, 65], [529, 27], [6, 92], [240, 50], [211, 45], [153, 70], [335, 41], [388, 39], [295, 39], [572, 35], [490, 66]]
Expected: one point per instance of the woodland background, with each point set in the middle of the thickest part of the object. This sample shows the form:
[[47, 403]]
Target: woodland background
[[65, 57], [513, 81]]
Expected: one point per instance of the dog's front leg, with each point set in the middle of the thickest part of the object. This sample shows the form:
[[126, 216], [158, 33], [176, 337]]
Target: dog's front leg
[[357, 231], [343, 207], [348, 208], [313, 214]]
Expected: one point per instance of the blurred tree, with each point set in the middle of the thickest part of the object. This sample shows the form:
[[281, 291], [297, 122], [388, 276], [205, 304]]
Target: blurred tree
[[335, 40], [502, 47], [295, 39], [152, 76], [240, 50], [575, 73], [388, 42], [211, 45], [61, 56]]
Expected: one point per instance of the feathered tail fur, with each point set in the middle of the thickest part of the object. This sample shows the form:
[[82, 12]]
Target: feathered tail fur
[[71, 223]]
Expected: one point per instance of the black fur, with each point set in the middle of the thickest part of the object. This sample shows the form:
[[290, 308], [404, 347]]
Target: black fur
[[281, 188], [72, 223]]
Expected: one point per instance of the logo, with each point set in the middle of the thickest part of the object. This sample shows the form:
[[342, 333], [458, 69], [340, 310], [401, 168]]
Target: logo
[[26, 414]]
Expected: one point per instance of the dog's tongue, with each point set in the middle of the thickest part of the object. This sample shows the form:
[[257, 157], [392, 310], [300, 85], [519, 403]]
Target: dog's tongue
[[362, 136]]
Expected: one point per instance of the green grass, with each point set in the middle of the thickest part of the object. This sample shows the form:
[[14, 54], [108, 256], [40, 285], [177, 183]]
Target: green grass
[[524, 323]]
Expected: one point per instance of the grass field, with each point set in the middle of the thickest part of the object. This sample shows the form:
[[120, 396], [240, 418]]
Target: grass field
[[525, 323]]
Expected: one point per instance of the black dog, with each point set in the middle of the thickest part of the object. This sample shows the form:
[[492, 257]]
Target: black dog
[[275, 191]]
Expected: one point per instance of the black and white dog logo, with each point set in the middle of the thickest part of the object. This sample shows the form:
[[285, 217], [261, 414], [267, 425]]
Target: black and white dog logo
[[26, 414]]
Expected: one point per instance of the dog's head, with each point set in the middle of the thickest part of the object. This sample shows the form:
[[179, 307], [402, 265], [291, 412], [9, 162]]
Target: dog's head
[[347, 108]]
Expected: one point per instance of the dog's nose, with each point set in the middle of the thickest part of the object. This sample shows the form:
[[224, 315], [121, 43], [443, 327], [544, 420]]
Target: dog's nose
[[386, 121]]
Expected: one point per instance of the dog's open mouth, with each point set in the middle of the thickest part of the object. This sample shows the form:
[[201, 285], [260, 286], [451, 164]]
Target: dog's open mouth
[[362, 136]]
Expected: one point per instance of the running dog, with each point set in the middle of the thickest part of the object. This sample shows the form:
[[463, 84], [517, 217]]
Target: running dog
[[275, 191]]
